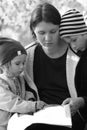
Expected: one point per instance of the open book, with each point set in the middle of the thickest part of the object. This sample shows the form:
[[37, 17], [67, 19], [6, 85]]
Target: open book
[[53, 115]]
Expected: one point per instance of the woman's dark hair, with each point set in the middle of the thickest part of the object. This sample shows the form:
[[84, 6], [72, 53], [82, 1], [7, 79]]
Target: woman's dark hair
[[44, 12]]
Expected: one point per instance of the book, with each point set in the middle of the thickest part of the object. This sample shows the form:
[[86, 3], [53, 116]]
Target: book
[[53, 115]]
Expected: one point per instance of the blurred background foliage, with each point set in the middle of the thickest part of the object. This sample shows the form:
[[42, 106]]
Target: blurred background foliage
[[15, 15]]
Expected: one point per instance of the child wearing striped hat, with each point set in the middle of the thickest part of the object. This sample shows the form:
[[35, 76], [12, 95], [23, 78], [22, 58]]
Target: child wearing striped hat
[[73, 30]]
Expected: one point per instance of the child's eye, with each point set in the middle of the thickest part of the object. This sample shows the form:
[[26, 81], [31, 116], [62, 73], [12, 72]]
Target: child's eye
[[23, 63], [74, 40], [17, 63]]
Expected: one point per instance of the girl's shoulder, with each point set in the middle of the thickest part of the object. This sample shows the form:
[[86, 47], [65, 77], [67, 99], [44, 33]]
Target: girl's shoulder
[[4, 83]]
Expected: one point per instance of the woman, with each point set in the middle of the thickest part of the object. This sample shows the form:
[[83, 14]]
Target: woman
[[50, 64]]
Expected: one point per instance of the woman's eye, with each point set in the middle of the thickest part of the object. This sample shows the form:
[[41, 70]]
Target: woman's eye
[[53, 31], [41, 33]]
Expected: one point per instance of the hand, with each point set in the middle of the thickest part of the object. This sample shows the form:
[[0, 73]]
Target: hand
[[39, 105], [75, 104]]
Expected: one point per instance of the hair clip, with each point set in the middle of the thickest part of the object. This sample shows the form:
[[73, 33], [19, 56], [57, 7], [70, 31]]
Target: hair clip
[[19, 53]]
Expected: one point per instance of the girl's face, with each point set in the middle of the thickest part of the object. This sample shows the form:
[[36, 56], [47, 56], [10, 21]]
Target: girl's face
[[16, 66], [47, 34], [77, 42]]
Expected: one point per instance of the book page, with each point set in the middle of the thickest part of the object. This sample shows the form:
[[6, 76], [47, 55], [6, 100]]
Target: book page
[[56, 115], [53, 115]]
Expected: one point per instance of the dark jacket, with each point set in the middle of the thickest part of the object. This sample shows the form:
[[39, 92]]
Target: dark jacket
[[81, 81]]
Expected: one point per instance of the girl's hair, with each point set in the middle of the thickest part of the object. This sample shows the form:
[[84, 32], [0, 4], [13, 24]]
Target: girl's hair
[[44, 12], [9, 49]]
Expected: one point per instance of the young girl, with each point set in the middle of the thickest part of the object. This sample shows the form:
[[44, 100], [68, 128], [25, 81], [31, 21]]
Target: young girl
[[13, 97]]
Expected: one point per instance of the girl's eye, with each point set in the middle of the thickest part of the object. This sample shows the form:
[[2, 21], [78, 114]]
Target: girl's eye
[[23, 63], [18, 63]]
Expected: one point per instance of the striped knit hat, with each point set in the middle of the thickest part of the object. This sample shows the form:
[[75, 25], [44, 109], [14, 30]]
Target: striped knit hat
[[72, 23]]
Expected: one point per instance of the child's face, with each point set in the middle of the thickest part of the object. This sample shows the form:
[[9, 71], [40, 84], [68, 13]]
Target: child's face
[[17, 65], [77, 42]]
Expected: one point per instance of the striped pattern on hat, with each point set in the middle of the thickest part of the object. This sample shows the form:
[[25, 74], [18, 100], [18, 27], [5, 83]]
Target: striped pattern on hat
[[72, 23]]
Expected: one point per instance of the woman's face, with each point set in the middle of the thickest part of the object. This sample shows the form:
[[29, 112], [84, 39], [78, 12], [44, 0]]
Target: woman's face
[[47, 34]]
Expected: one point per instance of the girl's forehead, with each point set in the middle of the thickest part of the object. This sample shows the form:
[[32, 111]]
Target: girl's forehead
[[19, 58]]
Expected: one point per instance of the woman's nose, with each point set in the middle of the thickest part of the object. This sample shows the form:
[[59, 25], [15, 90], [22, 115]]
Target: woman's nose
[[48, 37]]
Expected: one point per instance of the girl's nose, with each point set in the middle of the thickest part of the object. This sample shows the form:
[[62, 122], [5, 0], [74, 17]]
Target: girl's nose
[[22, 66]]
